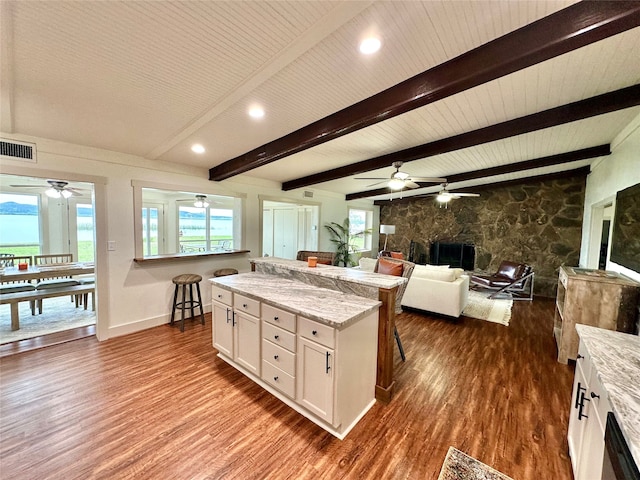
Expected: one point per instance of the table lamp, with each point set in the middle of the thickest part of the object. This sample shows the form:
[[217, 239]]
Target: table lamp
[[387, 230]]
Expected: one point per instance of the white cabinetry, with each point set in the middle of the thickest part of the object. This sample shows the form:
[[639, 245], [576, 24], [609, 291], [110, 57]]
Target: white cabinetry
[[587, 421], [327, 374], [316, 366], [236, 328], [279, 349]]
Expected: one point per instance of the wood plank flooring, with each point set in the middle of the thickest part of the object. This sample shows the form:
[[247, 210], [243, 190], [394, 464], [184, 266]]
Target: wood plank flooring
[[158, 404]]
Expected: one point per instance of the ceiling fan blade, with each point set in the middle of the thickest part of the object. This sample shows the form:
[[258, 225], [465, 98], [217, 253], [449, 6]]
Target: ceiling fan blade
[[377, 183], [429, 179], [455, 194], [30, 186], [371, 178], [411, 184]]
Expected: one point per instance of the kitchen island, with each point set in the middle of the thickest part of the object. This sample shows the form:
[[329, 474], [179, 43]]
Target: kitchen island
[[607, 381], [313, 348], [349, 280]]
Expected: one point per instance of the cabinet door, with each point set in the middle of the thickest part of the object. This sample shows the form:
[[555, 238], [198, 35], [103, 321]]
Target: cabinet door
[[222, 328], [315, 378], [247, 342], [577, 419]]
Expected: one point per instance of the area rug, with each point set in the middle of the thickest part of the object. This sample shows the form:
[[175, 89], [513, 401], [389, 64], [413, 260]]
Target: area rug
[[460, 466], [483, 308], [58, 314]]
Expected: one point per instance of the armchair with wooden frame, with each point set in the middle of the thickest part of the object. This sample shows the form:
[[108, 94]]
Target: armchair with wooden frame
[[512, 280], [398, 267]]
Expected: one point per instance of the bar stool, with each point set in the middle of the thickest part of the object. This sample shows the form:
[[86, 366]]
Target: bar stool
[[187, 280], [223, 272]]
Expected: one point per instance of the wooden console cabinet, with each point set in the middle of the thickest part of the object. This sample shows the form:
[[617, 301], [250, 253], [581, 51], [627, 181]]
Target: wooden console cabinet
[[592, 297]]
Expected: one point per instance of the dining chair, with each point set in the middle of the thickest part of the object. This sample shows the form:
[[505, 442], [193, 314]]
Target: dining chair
[[55, 281], [11, 260]]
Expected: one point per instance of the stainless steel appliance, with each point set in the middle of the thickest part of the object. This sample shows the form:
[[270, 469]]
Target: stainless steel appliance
[[618, 462]]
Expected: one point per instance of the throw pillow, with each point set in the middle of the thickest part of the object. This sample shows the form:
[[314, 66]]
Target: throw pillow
[[390, 268], [367, 264], [398, 255], [440, 274]]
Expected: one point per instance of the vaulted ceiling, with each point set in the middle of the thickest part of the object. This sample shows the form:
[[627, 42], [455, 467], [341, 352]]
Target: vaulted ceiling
[[153, 78]]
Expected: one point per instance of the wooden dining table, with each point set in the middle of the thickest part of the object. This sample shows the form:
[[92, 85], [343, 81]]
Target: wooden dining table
[[39, 272]]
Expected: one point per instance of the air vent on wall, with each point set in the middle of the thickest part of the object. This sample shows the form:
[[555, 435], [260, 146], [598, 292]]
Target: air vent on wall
[[14, 150], [307, 194]]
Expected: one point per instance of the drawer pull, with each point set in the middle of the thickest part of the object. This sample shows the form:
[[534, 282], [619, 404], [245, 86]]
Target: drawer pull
[[327, 366], [578, 394], [580, 356], [275, 357], [314, 332], [244, 305], [276, 318], [275, 379], [594, 395], [276, 337], [219, 295]]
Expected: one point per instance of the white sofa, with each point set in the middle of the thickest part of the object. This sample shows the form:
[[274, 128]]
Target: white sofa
[[437, 289]]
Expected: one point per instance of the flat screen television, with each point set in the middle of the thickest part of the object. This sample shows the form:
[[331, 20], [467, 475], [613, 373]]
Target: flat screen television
[[625, 242]]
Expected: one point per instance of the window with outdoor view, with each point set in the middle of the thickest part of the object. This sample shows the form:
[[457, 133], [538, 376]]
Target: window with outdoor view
[[20, 217], [360, 221]]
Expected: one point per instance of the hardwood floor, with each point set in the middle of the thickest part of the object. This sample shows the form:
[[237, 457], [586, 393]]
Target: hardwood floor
[[160, 404]]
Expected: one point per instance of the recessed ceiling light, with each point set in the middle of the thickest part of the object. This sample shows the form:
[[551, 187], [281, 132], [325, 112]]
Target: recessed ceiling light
[[256, 112], [197, 148], [370, 45]]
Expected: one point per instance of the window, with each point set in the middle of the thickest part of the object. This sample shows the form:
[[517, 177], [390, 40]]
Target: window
[[20, 220], [151, 225], [360, 228], [85, 232]]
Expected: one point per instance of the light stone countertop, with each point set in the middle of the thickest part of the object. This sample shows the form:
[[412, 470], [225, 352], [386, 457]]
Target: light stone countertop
[[330, 307], [369, 279], [616, 357]]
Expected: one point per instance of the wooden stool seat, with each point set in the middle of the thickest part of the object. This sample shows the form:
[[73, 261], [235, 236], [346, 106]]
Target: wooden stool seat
[[187, 280], [223, 272]]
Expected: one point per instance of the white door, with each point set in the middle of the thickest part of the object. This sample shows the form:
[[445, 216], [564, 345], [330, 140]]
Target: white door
[[222, 328], [247, 342], [285, 233], [315, 378]]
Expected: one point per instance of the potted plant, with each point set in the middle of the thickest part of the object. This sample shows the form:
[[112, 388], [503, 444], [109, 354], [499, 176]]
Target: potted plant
[[343, 238]]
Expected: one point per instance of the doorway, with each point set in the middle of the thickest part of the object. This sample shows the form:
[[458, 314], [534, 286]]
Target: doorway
[[288, 227], [42, 217], [600, 235]]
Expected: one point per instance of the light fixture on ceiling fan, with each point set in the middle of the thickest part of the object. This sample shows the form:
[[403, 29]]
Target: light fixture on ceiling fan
[[399, 180], [201, 201], [444, 196], [57, 189]]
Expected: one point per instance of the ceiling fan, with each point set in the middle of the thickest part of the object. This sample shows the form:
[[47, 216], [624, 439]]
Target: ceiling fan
[[57, 189], [444, 196], [400, 180]]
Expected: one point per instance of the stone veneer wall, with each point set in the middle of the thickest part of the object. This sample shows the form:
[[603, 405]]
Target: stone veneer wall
[[536, 222]]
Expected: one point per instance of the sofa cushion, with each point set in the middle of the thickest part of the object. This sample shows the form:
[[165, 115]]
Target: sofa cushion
[[435, 267], [389, 268], [440, 274], [367, 264]]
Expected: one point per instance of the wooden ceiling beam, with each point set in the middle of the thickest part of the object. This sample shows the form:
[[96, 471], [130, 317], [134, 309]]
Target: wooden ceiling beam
[[590, 107], [580, 171], [578, 25], [567, 157]]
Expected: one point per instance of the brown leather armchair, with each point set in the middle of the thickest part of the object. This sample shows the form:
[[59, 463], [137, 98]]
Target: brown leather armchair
[[512, 280]]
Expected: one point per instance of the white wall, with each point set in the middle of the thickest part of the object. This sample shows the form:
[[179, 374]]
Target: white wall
[[611, 174], [133, 296]]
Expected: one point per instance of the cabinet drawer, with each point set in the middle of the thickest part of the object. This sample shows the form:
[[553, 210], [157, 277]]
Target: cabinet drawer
[[318, 332], [246, 304], [279, 336], [279, 379], [279, 317], [279, 357], [221, 295]]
